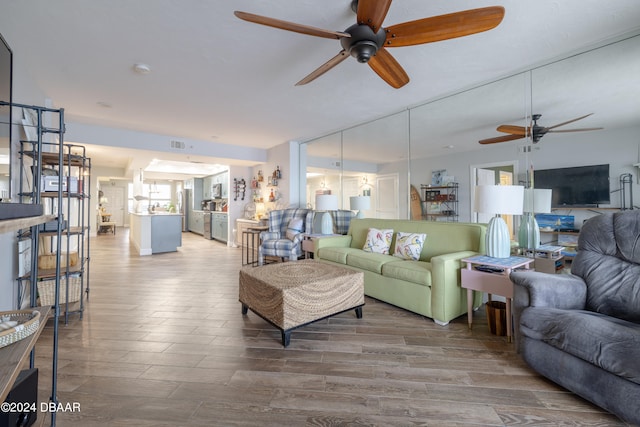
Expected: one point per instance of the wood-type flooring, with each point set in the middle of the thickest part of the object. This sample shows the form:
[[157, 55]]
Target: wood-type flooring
[[163, 343]]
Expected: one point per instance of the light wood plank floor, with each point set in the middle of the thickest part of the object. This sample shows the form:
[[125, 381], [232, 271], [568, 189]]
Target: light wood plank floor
[[163, 343]]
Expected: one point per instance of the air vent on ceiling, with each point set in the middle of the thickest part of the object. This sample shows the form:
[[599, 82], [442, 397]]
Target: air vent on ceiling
[[179, 145]]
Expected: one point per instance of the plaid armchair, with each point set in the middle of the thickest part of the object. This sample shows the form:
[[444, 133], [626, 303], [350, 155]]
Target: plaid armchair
[[341, 220], [275, 241]]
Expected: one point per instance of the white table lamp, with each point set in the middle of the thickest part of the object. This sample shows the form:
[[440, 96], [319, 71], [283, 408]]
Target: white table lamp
[[536, 200], [359, 203], [499, 200], [323, 222]]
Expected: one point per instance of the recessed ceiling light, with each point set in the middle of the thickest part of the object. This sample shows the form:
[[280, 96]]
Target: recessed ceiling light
[[141, 68], [449, 147]]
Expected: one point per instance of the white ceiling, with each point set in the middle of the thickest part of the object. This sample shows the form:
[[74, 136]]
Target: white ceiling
[[217, 78]]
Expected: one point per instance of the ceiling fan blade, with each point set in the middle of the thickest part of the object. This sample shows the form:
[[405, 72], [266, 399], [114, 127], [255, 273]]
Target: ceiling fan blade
[[497, 139], [569, 121], [444, 27], [290, 26], [388, 69], [324, 68], [373, 12], [572, 130], [513, 130]]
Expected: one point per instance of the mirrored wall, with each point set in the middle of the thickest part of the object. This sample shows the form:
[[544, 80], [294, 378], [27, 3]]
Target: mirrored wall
[[438, 142], [6, 64]]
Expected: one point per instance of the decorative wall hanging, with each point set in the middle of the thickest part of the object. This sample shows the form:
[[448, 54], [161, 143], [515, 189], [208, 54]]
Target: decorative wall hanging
[[239, 188]]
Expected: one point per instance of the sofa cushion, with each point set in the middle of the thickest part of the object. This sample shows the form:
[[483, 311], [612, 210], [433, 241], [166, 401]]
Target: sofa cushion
[[378, 241], [409, 245], [607, 342], [368, 261], [336, 254], [410, 271], [295, 227]]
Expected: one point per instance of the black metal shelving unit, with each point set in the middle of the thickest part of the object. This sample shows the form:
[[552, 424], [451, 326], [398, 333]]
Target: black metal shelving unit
[[68, 172], [72, 211], [440, 202]]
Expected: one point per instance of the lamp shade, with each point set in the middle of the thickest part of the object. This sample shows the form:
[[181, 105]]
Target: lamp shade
[[326, 202], [499, 199], [358, 203], [537, 200]]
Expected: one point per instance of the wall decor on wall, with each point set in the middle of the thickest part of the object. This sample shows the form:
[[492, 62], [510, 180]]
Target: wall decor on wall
[[437, 176], [239, 188]]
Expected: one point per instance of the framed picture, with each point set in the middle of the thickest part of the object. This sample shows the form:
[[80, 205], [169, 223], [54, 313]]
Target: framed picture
[[437, 175], [431, 195]]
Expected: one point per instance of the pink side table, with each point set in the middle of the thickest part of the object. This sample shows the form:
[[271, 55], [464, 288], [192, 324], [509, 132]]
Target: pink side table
[[491, 275]]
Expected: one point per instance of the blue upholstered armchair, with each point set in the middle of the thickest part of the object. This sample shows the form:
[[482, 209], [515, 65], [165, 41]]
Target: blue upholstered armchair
[[284, 238], [341, 220]]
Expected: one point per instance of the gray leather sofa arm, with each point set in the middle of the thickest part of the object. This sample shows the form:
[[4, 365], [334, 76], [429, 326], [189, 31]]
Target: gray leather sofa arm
[[535, 289]]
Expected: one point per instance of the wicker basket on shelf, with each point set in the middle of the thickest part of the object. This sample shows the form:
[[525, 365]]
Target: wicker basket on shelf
[[47, 290], [27, 323]]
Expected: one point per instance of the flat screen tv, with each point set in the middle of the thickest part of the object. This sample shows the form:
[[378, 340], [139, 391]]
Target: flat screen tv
[[582, 186]]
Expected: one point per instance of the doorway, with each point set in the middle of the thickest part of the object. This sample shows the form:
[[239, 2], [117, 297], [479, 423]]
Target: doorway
[[493, 174], [387, 200], [113, 203]]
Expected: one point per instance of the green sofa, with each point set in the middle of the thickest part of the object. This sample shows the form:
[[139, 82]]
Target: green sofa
[[429, 286]]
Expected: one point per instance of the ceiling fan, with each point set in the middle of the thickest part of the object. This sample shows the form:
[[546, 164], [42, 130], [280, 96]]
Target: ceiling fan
[[367, 40], [535, 130]]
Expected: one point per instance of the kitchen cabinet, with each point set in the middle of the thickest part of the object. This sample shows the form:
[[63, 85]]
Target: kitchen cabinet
[[197, 193], [207, 182], [196, 222], [155, 233], [223, 179], [220, 226], [225, 185]]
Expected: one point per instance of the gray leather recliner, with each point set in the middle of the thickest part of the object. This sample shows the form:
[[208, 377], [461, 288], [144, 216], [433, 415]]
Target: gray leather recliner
[[582, 331]]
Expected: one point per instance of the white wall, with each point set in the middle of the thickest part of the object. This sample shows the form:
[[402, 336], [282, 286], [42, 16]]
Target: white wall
[[124, 138], [236, 207], [288, 190]]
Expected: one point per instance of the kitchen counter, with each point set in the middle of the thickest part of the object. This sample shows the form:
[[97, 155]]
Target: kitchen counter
[[155, 233]]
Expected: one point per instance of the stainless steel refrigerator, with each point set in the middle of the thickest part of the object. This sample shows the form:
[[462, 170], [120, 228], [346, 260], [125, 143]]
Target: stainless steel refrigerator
[[184, 200]]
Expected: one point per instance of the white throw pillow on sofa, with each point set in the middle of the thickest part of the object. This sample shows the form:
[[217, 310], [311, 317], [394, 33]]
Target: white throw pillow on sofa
[[294, 228], [409, 245], [378, 241]]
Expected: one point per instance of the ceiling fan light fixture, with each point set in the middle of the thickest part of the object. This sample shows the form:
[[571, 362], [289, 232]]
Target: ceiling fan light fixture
[[363, 51], [363, 43]]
